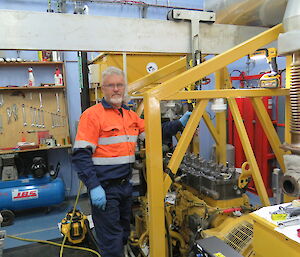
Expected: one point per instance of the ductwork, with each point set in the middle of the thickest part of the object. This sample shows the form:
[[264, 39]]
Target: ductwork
[[248, 12], [290, 182]]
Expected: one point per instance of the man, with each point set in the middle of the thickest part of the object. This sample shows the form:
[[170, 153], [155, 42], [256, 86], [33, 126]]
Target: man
[[104, 151]]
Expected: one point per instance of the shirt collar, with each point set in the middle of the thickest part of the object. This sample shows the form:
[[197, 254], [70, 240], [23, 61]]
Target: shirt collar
[[106, 105]]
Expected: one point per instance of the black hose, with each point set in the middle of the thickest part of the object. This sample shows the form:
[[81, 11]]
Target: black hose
[[92, 239], [168, 237]]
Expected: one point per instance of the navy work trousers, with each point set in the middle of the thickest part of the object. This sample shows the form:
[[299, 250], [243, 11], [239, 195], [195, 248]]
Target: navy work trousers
[[112, 225]]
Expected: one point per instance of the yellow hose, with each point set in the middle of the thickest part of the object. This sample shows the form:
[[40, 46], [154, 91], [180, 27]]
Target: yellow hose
[[53, 243]]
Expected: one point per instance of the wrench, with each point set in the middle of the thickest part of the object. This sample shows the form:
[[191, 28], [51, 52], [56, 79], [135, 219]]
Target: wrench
[[24, 115], [14, 110], [9, 113], [38, 118], [41, 101], [43, 122], [287, 223], [57, 102], [32, 116], [35, 118]]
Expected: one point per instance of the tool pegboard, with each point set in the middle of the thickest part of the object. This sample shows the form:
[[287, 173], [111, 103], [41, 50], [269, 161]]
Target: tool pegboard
[[36, 115]]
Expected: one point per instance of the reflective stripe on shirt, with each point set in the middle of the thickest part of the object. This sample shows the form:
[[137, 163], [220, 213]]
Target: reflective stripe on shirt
[[116, 140], [113, 160], [84, 144]]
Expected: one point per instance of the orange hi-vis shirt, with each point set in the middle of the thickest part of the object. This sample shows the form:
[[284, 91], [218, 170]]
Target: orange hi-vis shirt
[[111, 135], [105, 143]]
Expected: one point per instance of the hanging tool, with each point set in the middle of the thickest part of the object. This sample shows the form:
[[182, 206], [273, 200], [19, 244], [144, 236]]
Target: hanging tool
[[35, 117], [1, 100], [14, 110], [32, 116], [24, 115], [8, 111], [38, 119], [41, 101], [57, 102], [43, 121]]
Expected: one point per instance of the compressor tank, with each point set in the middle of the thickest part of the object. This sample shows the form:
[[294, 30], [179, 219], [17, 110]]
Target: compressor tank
[[31, 192]]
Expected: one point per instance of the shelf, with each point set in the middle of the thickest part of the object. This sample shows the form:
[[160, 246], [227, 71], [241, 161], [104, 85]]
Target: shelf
[[29, 63], [34, 149], [31, 88]]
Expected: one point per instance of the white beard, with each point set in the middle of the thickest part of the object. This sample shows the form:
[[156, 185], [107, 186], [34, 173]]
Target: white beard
[[115, 100]]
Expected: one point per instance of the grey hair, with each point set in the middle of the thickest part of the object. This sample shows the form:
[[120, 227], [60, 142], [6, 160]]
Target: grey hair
[[112, 70]]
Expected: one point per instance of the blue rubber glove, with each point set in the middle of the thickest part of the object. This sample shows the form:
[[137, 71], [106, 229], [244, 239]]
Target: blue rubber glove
[[98, 197], [185, 117]]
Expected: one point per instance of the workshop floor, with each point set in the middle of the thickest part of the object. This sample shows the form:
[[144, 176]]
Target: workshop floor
[[41, 224]]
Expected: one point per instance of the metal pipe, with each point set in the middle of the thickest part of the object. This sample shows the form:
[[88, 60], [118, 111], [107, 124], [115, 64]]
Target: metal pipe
[[139, 3], [248, 12]]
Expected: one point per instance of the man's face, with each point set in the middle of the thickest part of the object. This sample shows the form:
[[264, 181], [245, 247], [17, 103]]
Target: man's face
[[113, 89]]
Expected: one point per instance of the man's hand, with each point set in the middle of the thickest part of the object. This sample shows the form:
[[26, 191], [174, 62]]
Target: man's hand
[[98, 197], [185, 117]]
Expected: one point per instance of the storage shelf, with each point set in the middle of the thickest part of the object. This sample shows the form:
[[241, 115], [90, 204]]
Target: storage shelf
[[34, 149], [31, 88], [29, 63]]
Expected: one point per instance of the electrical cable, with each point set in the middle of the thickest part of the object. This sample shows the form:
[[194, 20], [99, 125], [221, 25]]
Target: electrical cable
[[53, 243], [62, 245], [73, 212]]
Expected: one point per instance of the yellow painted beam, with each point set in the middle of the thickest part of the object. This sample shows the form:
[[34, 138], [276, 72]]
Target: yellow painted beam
[[171, 69], [155, 185], [211, 127], [259, 184], [287, 133], [269, 129], [188, 77], [227, 93], [184, 141]]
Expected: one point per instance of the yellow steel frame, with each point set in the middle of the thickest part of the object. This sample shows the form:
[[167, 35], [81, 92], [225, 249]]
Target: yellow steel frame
[[171, 89]]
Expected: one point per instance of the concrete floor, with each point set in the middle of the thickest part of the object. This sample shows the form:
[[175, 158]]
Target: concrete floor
[[40, 223]]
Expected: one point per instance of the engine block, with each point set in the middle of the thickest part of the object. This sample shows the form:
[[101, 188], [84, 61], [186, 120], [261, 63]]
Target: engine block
[[209, 178]]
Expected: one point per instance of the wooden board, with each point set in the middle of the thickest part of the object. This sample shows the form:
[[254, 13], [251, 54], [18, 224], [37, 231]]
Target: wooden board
[[55, 121]]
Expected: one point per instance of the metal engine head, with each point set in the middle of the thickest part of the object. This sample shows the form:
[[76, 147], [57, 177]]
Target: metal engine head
[[209, 178]]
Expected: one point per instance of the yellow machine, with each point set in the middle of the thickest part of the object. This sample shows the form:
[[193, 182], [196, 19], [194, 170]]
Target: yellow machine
[[271, 79], [205, 201], [186, 203], [74, 227]]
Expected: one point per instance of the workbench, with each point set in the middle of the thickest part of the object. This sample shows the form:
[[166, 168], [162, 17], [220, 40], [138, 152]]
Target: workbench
[[271, 241]]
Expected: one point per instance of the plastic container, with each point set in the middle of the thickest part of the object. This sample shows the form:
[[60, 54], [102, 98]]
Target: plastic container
[[31, 80], [58, 79]]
